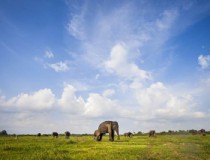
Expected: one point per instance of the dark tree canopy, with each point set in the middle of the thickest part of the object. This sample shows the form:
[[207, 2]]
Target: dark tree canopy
[[39, 134], [3, 133]]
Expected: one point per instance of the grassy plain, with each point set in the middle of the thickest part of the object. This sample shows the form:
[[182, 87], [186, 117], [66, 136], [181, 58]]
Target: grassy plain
[[179, 147]]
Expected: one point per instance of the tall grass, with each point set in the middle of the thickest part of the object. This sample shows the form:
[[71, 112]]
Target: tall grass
[[85, 148]]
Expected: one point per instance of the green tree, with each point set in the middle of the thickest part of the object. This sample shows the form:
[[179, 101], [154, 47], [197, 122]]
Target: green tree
[[3, 133]]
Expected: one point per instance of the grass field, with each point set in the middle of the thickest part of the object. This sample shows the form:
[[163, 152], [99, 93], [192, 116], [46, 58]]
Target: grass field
[[186, 147]]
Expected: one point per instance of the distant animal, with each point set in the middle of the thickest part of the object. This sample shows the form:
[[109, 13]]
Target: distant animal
[[67, 134], [55, 134], [202, 131], [152, 133], [194, 132], [107, 127], [128, 134], [39, 134]]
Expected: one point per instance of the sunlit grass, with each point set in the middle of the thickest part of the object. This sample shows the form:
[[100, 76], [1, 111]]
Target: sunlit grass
[[84, 147]]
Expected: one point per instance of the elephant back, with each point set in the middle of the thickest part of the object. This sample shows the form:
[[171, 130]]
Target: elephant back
[[103, 126]]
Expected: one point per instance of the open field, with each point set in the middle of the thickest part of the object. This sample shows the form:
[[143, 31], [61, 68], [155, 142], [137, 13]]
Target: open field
[[193, 147]]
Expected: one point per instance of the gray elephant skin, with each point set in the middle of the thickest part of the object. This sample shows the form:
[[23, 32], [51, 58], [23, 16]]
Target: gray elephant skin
[[152, 133], [128, 134], [55, 134], [107, 127]]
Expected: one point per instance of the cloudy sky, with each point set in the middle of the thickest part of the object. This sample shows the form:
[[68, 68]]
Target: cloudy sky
[[71, 64]]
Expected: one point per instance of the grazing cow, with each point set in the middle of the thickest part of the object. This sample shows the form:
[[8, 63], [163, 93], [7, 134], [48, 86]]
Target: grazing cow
[[55, 134], [67, 134], [128, 134], [152, 133]]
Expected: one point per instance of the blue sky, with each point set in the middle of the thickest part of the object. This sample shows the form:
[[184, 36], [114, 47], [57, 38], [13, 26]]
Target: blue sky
[[69, 65]]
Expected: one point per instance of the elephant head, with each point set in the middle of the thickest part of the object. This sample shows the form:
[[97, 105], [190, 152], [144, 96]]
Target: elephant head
[[97, 135]]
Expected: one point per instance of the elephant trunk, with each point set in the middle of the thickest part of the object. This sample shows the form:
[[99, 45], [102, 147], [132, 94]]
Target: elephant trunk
[[117, 130]]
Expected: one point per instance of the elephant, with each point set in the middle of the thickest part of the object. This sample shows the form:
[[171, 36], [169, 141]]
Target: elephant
[[67, 134], [202, 131], [55, 134], [107, 127], [128, 134], [152, 133]]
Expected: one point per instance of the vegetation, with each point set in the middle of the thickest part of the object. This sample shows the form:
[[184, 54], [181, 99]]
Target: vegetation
[[183, 147], [3, 133]]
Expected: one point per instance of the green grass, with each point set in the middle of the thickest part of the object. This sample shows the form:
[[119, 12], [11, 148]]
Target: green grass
[[162, 147]]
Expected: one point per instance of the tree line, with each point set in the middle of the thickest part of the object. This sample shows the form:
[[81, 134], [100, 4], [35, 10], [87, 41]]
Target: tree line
[[169, 132]]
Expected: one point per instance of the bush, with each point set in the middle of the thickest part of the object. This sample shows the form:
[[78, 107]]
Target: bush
[[3, 133]]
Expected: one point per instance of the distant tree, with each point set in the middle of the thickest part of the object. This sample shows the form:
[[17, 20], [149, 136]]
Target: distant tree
[[139, 133], [163, 133], [170, 131], [193, 131], [3, 133], [39, 134]]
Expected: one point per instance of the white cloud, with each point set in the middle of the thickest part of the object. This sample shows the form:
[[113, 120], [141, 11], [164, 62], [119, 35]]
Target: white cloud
[[146, 103], [152, 97], [207, 81], [70, 102], [59, 66], [204, 61], [157, 101], [108, 92], [167, 19], [39, 100], [178, 106], [49, 54], [119, 64], [100, 106], [199, 115], [95, 106], [103, 30], [75, 27]]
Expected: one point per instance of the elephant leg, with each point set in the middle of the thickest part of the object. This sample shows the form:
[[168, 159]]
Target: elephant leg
[[100, 137], [110, 130], [112, 135]]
